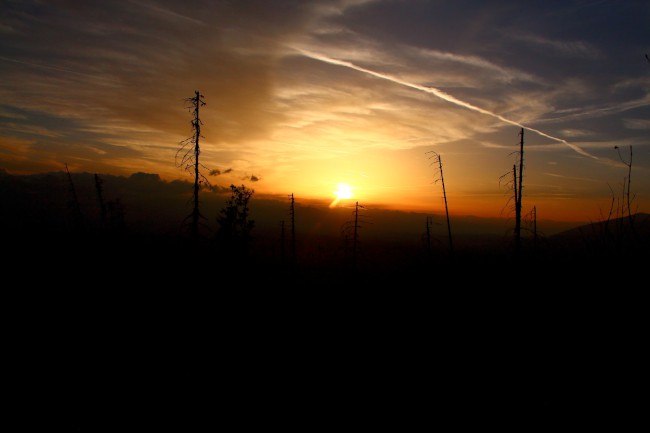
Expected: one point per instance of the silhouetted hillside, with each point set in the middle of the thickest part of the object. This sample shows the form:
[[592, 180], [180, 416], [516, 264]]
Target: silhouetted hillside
[[148, 221], [151, 205], [638, 225], [615, 244]]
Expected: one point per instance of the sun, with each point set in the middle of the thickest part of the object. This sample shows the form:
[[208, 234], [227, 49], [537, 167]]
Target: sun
[[343, 192]]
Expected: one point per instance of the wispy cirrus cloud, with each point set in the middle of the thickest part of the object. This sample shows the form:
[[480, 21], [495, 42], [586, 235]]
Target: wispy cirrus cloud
[[442, 95], [481, 65], [562, 47], [167, 13], [642, 124], [596, 111]]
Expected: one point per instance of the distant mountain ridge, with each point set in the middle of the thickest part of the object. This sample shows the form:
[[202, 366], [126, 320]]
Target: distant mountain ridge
[[621, 225], [152, 204]]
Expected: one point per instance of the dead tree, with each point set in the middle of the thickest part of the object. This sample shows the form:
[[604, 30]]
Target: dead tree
[[437, 160], [509, 179], [518, 195], [517, 184], [531, 221], [534, 218], [626, 207], [355, 234], [77, 216], [282, 243], [354, 226], [100, 199], [514, 185], [428, 235], [292, 215], [187, 158]]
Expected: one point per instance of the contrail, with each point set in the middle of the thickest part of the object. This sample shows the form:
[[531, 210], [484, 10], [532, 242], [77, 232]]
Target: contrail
[[440, 94]]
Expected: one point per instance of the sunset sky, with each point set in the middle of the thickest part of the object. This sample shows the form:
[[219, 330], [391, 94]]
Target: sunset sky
[[303, 96]]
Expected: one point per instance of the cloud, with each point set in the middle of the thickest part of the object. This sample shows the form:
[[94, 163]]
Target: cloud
[[494, 145], [595, 111], [586, 179], [252, 178], [442, 95], [145, 177], [101, 86], [576, 133], [14, 128], [495, 71], [167, 13], [642, 124], [111, 62], [561, 47], [11, 114]]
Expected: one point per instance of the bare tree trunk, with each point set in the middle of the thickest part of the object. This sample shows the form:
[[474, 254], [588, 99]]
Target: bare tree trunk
[[191, 151], [292, 214], [437, 158], [444, 194], [626, 200], [197, 152], [535, 244], [282, 252], [428, 236], [74, 203], [629, 200], [518, 196], [355, 235], [100, 199]]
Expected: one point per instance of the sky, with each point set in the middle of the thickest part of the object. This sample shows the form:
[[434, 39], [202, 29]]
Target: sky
[[302, 97]]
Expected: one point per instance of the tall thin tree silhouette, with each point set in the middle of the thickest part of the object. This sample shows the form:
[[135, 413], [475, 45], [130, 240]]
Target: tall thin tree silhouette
[[531, 219], [518, 195], [75, 208], [354, 226], [516, 184], [437, 160], [627, 181], [292, 215], [427, 235], [187, 158], [282, 243], [100, 199]]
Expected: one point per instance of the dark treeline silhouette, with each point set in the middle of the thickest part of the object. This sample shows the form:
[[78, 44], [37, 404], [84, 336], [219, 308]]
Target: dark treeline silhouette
[[145, 225], [235, 225]]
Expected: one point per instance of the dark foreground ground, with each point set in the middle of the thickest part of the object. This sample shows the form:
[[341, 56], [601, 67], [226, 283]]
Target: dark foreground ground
[[149, 334]]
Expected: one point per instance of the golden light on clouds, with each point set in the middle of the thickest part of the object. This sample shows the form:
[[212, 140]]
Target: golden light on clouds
[[311, 95]]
